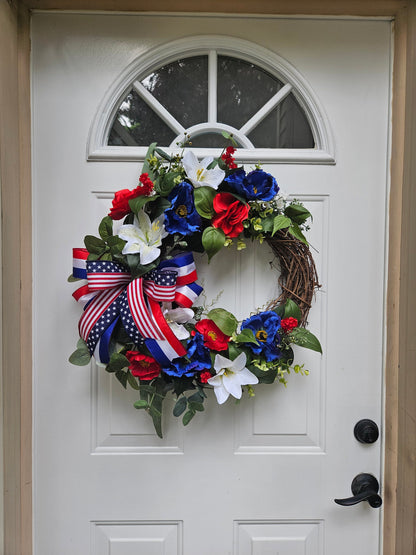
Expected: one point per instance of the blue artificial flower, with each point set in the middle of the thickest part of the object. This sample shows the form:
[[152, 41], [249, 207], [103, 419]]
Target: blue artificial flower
[[264, 326], [182, 217], [257, 185], [199, 359]]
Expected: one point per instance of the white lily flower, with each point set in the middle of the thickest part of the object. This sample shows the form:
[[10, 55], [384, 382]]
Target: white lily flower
[[175, 317], [144, 237], [231, 375], [198, 173]]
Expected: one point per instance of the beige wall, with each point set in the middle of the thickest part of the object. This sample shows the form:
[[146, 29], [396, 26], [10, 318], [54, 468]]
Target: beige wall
[[400, 429]]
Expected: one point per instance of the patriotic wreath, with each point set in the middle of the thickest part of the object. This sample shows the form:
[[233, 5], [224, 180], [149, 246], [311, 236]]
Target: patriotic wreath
[[140, 319]]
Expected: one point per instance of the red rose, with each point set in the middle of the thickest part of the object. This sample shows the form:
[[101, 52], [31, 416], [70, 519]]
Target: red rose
[[229, 214], [213, 336], [204, 376], [121, 199], [142, 366], [288, 324]]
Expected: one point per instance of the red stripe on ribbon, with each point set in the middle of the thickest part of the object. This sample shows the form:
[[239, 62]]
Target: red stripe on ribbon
[[167, 332], [80, 253], [139, 311], [104, 280], [96, 309]]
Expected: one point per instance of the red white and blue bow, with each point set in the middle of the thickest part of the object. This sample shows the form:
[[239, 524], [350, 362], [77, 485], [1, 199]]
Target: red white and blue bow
[[110, 295]]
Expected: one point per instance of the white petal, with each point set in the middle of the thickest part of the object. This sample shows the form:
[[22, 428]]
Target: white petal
[[205, 162], [190, 163], [239, 362], [179, 331], [232, 385], [246, 377], [221, 394], [132, 233], [213, 178], [148, 254], [132, 248], [222, 362], [142, 221], [157, 231], [180, 315], [215, 380]]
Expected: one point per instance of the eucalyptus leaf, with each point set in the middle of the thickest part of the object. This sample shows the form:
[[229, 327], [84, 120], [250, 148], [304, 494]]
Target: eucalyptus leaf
[[80, 357], [226, 321], [163, 154], [180, 406], [196, 406], [187, 417], [132, 381], [142, 404], [122, 378], [213, 240]]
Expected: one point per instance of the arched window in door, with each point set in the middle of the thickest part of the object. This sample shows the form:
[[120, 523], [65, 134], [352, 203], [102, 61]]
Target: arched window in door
[[206, 86]]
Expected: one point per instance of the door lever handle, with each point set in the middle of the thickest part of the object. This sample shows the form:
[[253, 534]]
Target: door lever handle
[[364, 488]]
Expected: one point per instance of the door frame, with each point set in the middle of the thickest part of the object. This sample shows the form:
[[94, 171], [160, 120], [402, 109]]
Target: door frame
[[399, 528]]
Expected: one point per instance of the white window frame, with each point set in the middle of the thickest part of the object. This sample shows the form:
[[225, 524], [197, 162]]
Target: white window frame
[[212, 45]]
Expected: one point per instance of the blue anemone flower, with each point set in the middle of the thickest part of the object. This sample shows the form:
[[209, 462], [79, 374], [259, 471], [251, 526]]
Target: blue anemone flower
[[257, 185], [199, 359], [182, 216], [264, 326]]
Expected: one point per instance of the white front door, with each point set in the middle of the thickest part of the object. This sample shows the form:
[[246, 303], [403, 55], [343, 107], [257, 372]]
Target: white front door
[[260, 477]]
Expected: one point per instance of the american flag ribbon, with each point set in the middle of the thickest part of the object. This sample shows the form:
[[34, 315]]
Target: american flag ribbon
[[110, 293]]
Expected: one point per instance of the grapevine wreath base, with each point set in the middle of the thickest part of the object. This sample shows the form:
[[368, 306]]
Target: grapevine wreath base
[[140, 318]]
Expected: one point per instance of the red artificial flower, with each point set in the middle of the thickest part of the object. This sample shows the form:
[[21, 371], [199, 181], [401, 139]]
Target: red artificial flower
[[228, 158], [214, 338], [229, 214], [142, 366], [288, 324], [147, 184], [204, 376], [121, 199]]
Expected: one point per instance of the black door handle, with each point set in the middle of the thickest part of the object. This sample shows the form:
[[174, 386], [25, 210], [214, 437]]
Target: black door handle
[[364, 488]]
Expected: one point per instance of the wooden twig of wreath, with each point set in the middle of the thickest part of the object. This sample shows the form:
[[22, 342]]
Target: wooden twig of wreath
[[141, 319]]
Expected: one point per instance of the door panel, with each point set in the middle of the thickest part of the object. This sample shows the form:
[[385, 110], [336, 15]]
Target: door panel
[[258, 477]]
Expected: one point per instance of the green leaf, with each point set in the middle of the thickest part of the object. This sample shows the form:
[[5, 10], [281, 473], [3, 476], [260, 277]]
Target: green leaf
[[163, 154], [295, 230], [94, 245], [226, 321], [196, 406], [136, 204], [166, 183], [246, 336], [280, 222], [267, 377], [71, 279], [93, 257], [105, 228], [106, 256], [279, 310], [117, 363], [292, 310], [180, 406], [146, 167], [297, 213], [213, 240], [197, 397], [304, 338], [142, 404], [80, 357], [132, 381], [204, 197], [122, 378], [267, 224], [187, 417], [160, 206]]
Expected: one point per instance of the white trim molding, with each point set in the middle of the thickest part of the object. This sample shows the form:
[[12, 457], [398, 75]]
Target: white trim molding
[[213, 45]]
